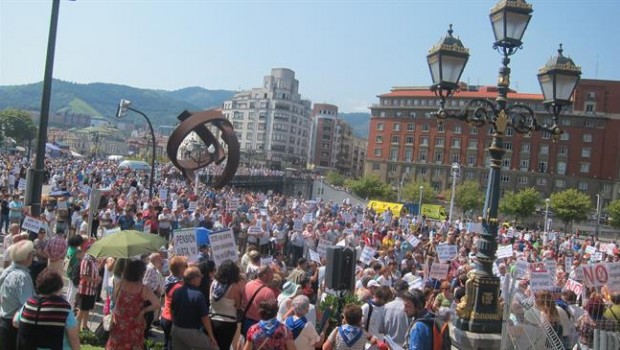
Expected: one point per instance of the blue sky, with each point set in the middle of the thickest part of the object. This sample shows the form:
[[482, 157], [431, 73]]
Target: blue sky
[[343, 52]]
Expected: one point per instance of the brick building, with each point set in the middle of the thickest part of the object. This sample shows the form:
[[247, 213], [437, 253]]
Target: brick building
[[334, 146], [406, 142]]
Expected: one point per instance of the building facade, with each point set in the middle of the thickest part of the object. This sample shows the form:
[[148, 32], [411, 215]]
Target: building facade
[[273, 123], [334, 146], [407, 142]]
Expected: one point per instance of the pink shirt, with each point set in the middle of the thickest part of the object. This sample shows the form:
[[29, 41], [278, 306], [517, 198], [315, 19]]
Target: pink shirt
[[264, 294]]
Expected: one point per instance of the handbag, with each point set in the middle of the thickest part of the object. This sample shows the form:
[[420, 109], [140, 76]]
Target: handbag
[[241, 313]]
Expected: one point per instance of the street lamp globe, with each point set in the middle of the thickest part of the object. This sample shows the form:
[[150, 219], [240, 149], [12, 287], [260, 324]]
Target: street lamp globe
[[446, 61], [509, 19], [456, 167], [558, 79]]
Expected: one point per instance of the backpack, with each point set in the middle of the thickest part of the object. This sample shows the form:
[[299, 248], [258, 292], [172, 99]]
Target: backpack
[[73, 272], [441, 333]]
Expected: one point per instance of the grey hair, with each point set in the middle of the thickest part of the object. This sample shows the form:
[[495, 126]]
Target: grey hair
[[301, 305]]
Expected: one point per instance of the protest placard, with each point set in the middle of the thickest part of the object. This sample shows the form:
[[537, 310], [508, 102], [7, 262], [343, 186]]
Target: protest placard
[[163, 194], [613, 284], [597, 256], [521, 269], [446, 252], [21, 185], [255, 231], [595, 275], [32, 224], [185, 242], [413, 240], [568, 264], [61, 205], [232, 204], [321, 248], [551, 267], [147, 228], [112, 230], [368, 255], [348, 231], [347, 217], [298, 224], [527, 237], [439, 271], [574, 286], [175, 204], [314, 256], [540, 280], [342, 243], [223, 246], [308, 218], [192, 206], [266, 261], [504, 251], [590, 250]]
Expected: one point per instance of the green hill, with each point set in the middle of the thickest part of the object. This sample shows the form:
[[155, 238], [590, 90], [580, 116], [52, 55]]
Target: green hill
[[359, 121], [102, 99]]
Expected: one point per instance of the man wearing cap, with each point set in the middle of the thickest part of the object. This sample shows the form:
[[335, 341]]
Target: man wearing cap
[[16, 287]]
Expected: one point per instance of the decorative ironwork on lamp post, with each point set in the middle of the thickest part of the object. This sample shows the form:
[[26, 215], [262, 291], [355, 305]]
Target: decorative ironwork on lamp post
[[479, 310]]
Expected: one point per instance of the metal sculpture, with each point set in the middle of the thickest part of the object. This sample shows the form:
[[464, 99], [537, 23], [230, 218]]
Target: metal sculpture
[[204, 124]]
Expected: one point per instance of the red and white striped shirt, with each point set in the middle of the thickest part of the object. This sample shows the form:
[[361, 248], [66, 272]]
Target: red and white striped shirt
[[88, 272]]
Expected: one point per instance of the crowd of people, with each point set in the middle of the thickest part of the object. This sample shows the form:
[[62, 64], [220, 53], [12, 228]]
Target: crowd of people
[[411, 274]]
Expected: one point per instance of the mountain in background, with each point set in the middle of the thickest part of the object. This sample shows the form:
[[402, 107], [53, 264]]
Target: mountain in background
[[360, 122], [101, 99]]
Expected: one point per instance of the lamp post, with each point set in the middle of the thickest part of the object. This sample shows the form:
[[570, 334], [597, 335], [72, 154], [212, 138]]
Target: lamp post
[[598, 215], [123, 106], [456, 167], [420, 204], [479, 310], [94, 136], [546, 227]]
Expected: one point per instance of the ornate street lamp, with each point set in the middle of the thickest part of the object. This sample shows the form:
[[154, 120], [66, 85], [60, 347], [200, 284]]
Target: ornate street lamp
[[123, 107], [479, 310]]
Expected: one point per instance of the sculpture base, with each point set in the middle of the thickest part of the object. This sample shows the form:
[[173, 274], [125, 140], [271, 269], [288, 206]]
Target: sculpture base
[[480, 310], [465, 340]]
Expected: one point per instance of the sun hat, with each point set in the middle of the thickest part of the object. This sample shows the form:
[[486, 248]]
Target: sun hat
[[289, 290]]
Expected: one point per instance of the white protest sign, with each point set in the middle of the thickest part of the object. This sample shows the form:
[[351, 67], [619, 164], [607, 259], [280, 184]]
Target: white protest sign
[[368, 254], [413, 240], [568, 264], [263, 212], [192, 206], [266, 261], [308, 218], [341, 243], [574, 286], [255, 231], [147, 228], [163, 194], [321, 248], [609, 249], [595, 275], [552, 267], [347, 217], [446, 251], [314, 256], [223, 246], [439, 271], [540, 280], [527, 237], [590, 250], [504, 251], [521, 269], [61, 205], [614, 277], [112, 230], [21, 185], [474, 227], [348, 231], [175, 204], [232, 204], [32, 224], [185, 242], [298, 225], [597, 256]]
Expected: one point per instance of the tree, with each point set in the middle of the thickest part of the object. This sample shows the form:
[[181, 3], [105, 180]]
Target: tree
[[469, 196], [571, 205], [411, 192], [18, 125], [613, 210], [334, 178], [520, 204], [371, 187]]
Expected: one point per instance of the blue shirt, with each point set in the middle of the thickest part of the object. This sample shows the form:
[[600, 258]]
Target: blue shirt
[[15, 288], [188, 307], [421, 336]]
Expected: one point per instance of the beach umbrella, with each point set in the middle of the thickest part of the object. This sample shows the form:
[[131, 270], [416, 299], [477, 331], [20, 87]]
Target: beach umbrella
[[125, 244]]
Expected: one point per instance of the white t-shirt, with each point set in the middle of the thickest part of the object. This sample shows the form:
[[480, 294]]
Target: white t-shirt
[[307, 337], [375, 326]]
